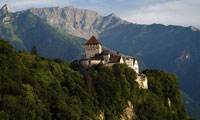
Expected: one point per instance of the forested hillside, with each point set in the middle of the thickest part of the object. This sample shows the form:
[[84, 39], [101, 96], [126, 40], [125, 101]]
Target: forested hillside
[[36, 88], [172, 48], [24, 30]]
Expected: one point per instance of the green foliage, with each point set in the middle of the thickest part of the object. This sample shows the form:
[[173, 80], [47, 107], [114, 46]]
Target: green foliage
[[36, 88], [175, 49], [192, 107], [172, 48], [113, 88], [165, 86], [27, 30], [34, 50], [151, 107]]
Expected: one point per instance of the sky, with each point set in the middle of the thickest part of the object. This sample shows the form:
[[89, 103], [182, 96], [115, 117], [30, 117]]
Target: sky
[[167, 12]]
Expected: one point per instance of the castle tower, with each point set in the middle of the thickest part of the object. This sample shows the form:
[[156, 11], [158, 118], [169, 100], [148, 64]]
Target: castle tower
[[92, 47]]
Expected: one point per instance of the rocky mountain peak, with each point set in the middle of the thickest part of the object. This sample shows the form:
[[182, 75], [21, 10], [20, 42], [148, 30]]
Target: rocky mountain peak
[[83, 23], [5, 9], [194, 28], [112, 15], [70, 7]]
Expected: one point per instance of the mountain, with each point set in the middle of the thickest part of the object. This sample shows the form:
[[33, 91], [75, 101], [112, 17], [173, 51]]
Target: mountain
[[173, 48], [79, 22], [192, 107], [5, 9], [37, 88], [24, 30]]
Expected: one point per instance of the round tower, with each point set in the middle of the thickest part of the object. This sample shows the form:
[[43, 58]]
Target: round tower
[[92, 47]]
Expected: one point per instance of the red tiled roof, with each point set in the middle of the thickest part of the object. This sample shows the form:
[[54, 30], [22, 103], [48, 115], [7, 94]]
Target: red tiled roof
[[97, 56], [92, 40], [105, 52], [114, 59]]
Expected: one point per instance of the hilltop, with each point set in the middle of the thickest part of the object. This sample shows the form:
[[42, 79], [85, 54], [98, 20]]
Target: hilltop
[[172, 48], [33, 87]]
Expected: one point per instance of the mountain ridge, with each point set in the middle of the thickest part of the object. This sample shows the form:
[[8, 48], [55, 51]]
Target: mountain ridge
[[132, 39], [172, 48], [24, 30], [5, 9], [79, 22]]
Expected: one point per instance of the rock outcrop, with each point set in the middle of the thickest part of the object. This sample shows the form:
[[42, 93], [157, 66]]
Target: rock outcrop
[[79, 22], [129, 113], [5, 9]]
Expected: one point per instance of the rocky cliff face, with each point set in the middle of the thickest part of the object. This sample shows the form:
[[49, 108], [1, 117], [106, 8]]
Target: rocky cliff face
[[128, 114], [79, 22], [23, 30], [5, 9], [6, 16]]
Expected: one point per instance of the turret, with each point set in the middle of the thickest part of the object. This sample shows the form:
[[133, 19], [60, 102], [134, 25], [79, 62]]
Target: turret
[[92, 47]]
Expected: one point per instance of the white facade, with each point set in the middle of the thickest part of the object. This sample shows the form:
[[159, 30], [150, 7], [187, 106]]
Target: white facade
[[132, 63], [136, 66], [94, 62], [121, 60], [106, 58]]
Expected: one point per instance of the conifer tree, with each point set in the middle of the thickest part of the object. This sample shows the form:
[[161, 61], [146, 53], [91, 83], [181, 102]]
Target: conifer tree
[[34, 50]]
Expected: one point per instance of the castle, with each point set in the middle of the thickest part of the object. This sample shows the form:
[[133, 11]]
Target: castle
[[94, 55]]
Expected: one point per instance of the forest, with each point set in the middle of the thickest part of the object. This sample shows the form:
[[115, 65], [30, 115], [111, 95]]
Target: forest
[[37, 88]]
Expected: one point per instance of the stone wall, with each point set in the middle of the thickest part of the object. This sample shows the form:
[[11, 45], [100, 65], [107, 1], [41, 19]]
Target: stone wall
[[91, 50], [106, 58], [94, 62], [129, 62]]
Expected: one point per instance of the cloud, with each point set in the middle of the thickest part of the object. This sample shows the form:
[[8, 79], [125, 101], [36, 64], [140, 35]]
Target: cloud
[[180, 12]]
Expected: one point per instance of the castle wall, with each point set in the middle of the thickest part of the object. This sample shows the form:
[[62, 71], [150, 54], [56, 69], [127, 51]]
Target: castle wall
[[94, 62], [129, 62], [136, 66], [91, 50], [84, 63], [132, 63], [106, 58], [121, 60]]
